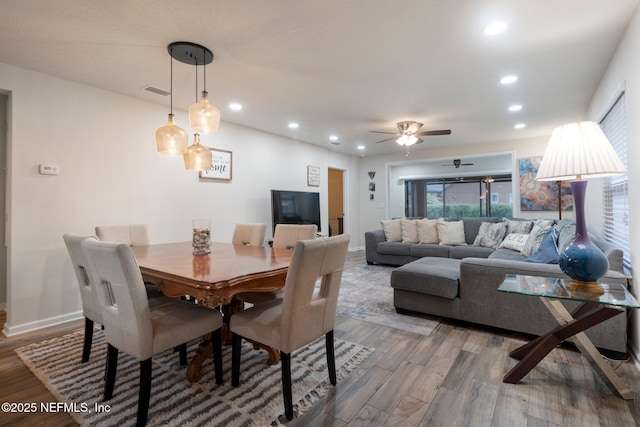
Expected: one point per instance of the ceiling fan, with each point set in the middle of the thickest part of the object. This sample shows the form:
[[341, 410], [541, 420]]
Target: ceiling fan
[[408, 133], [457, 163]]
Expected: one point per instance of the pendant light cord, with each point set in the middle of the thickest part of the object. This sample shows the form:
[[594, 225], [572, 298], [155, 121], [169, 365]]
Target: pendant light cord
[[171, 83], [204, 61]]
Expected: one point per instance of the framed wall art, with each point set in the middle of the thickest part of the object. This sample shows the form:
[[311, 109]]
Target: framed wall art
[[313, 176], [541, 195], [221, 164]]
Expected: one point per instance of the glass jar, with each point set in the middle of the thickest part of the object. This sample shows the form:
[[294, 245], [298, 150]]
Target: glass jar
[[201, 236]]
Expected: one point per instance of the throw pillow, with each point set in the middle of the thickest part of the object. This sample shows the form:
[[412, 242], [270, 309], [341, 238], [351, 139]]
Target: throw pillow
[[514, 241], [518, 226], [392, 230], [409, 229], [490, 234], [547, 253], [534, 240], [427, 231], [567, 232], [450, 232]]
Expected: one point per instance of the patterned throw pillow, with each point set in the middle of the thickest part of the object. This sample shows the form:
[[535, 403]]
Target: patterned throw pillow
[[514, 241], [392, 230], [427, 231], [409, 229], [535, 238], [491, 234], [518, 226], [450, 232]]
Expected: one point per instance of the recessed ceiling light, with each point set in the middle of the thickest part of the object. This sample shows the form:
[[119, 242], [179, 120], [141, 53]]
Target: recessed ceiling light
[[294, 125], [235, 106], [495, 28], [519, 125], [515, 107], [333, 138], [508, 79], [360, 147]]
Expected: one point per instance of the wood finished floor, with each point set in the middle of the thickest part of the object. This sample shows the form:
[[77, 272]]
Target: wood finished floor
[[452, 377]]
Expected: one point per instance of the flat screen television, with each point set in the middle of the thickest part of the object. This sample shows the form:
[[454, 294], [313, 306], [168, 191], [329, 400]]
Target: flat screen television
[[295, 207]]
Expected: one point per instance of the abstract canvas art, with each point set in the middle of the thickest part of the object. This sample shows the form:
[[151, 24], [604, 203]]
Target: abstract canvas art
[[541, 195]]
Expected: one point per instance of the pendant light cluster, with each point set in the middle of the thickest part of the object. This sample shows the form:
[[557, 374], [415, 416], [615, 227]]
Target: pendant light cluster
[[204, 117]]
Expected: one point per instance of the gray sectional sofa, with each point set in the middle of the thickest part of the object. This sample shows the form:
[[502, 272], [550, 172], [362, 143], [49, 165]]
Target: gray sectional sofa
[[460, 282]]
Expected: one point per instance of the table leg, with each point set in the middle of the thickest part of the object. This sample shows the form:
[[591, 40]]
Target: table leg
[[587, 316]]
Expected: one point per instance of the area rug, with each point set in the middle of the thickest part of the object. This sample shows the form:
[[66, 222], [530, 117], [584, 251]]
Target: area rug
[[366, 294], [174, 400]]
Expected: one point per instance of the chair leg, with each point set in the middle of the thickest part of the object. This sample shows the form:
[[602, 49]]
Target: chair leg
[[216, 343], [182, 349], [235, 360], [144, 393], [112, 366], [88, 339], [285, 361], [331, 357]]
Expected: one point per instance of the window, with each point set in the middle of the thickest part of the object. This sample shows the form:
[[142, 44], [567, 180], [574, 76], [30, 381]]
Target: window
[[616, 188], [459, 197]]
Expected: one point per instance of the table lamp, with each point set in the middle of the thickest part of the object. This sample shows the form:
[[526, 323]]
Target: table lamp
[[578, 151]]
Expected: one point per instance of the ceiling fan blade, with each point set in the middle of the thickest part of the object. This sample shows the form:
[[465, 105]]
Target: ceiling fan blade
[[435, 132], [389, 133], [466, 164], [385, 140], [419, 141]]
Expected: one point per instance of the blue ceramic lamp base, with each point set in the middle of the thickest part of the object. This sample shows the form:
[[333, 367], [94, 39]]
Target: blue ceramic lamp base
[[582, 260]]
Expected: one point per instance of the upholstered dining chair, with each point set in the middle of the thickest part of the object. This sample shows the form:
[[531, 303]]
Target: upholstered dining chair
[[249, 234], [135, 328], [302, 315], [286, 235], [133, 234]]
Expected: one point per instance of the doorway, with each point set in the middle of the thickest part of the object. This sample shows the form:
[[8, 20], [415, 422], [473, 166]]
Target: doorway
[[336, 201]]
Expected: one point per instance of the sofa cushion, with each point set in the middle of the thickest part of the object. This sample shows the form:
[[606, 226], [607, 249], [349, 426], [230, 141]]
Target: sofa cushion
[[394, 248], [566, 229], [409, 230], [427, 231], [433, 276], [535, 238], [490, 235], [507, 254], [450, 232], [472, 225], [430, 250], [514, 241], [392, 230], [459, 252], [547, 253]]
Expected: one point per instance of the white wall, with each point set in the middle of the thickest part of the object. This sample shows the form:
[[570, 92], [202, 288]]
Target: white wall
[[624, 70], [111, 174]]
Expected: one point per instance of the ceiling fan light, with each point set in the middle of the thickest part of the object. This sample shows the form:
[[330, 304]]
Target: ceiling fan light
[[204, 117], [171, 138], [197, 157], [407, 140]]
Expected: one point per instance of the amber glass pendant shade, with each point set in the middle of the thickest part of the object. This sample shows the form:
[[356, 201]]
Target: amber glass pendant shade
[[204, 117], [197, 157], [171, 138]]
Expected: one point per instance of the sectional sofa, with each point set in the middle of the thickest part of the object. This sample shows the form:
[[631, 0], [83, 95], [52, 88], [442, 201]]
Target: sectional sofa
[[456, 274]]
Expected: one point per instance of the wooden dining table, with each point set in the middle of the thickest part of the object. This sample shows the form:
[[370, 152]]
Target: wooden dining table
[[214, 280]]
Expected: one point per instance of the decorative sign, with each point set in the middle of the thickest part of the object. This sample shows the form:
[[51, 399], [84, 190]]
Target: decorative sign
[[220, 166], [313, 176]]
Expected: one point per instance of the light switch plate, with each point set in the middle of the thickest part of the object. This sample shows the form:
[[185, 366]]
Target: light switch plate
[[49, 169]]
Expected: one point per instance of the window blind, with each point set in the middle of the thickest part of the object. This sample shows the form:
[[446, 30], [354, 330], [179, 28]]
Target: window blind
[[616, 188]]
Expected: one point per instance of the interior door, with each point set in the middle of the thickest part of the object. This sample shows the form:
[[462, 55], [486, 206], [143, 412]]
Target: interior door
[[336, 201]]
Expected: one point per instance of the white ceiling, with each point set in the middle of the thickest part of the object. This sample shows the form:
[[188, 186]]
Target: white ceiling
[[335, 66]]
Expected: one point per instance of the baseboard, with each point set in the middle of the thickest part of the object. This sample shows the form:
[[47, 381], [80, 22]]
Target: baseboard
[[10, 330]]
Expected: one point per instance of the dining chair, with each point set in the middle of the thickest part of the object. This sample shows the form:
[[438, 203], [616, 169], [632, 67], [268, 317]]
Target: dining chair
[[135, 328], [249, 234], [302, 315], [286, 235], [133, 234]]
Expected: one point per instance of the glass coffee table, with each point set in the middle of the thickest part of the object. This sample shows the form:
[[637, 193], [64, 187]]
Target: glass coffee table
[[608, 301]]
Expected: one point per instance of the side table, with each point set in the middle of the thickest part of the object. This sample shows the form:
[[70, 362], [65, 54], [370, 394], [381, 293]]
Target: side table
[[594, 309]]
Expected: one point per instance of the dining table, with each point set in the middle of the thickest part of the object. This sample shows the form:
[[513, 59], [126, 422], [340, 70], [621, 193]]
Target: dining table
[[216, 280]]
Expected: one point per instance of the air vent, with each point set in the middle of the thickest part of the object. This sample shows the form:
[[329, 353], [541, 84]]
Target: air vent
[[157, 90]]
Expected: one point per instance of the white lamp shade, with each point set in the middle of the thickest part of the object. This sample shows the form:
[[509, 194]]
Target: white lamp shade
[[171, 138], [578, 151], [407, 140], [204, 117], [197, 157]]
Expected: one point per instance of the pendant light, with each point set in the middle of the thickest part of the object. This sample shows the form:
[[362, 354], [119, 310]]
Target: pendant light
[[204, 117], [197, 157], [170, 138]]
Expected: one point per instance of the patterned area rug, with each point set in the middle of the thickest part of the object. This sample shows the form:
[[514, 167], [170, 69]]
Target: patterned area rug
[[174, 400], [366, 294]]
